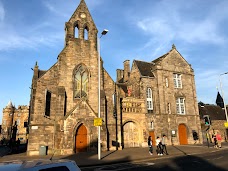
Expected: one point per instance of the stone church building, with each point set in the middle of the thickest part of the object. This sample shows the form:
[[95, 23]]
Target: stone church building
[[151, 98]]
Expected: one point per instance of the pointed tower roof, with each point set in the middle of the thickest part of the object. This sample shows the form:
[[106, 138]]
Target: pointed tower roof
[[82, 12], [82, 7], [9, 105], [82, 15]]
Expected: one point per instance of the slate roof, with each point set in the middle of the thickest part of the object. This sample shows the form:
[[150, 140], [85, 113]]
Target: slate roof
[[215, 112], [41, 73], [123, 87], [145, 68], [161, 57]]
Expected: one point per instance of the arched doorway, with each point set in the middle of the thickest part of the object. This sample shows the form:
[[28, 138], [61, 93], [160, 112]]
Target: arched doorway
[[183, 137], [131, 136], [81, 139]]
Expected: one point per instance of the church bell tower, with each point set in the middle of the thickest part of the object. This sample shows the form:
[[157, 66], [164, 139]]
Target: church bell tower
[[81, 26]]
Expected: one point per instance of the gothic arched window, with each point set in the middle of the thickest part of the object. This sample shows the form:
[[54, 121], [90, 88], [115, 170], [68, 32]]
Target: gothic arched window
[[86, 33], [76, 31], [81, 82]]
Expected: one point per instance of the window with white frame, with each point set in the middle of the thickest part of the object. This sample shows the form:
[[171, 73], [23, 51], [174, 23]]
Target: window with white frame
[[177, 80], [149, 99], [180, 104]]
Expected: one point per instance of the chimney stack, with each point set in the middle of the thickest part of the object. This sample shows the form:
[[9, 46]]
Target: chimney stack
[[119, 73], [126, 70]]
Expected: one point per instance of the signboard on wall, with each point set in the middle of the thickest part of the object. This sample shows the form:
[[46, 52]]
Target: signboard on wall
[[97, 121], [226, 124]]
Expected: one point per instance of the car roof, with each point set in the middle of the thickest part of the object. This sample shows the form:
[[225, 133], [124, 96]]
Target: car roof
[[17, 165]]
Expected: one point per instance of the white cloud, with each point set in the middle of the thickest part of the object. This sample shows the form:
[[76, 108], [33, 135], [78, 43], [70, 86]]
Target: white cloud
[[200, 31], [15, 41], [155, 25], [2, 12], [53, 8], [172, 24], [38, 34], [32, 37], [208, 83], [161, 34], [189, 31], [207, 78]]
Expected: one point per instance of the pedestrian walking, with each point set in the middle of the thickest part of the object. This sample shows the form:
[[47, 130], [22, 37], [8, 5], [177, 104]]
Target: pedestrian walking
[[219, 140], [163, 142], [215, 141], [195, 137], [159, 148], [150, 145]]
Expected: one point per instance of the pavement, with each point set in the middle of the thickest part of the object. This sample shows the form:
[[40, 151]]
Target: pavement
[[118, 156]]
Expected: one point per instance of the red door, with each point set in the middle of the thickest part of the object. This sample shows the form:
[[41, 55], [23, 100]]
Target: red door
[[153, 137], [183, 138], [81, 139]]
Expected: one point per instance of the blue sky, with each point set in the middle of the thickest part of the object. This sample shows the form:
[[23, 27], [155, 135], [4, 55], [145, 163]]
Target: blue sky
[[33, 31]]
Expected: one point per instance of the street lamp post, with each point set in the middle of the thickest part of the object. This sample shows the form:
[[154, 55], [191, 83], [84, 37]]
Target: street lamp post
[[104, 32], [220, 80]]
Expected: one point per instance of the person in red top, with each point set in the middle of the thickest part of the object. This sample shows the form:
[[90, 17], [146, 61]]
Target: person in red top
[[219, 139]]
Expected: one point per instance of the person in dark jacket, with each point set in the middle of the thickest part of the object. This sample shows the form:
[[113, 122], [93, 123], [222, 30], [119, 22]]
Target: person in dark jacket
[[150, 145], [159, 146]]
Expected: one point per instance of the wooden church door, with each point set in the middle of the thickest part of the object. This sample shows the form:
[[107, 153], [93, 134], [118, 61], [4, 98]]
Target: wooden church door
[[81, 139]]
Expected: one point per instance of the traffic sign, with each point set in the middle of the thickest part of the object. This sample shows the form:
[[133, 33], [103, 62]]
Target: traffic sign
[[97, 121]]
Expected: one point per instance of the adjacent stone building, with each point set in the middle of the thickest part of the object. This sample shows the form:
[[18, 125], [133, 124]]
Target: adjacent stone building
[[150, 98], [16, 118], [157, 98], [217, 119]]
